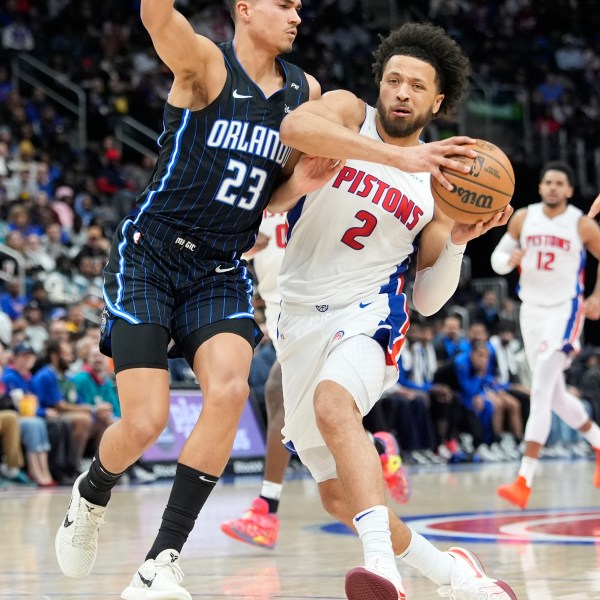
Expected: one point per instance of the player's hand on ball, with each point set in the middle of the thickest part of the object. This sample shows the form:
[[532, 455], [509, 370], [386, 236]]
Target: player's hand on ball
[[313, 172], [591, 307], [435, 156], [463, 233]]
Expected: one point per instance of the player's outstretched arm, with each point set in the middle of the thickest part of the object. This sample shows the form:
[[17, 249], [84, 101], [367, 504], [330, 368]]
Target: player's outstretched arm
[[192, 58], [594, 208], [329, 127]]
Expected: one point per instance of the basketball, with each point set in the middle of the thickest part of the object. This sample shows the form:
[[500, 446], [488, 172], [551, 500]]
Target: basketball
[[479, 194]]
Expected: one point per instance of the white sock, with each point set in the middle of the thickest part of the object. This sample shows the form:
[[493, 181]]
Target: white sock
[[592, 435], [426, 558], [373, 526], [528, 468], [271, 490]]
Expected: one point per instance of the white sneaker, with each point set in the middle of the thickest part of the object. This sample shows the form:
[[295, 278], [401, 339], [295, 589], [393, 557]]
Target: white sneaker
[[141, 475], [76, 542], [158, 579], [469, 581], [375, 581]]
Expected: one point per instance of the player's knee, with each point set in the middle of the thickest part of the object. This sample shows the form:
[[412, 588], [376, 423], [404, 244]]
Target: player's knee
[[327, 413], [228, 394], [143, 432]]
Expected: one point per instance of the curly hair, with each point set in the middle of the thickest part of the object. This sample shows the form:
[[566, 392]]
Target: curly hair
[[430, 44]]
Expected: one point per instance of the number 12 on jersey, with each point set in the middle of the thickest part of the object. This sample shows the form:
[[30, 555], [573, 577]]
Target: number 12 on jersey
[[545, 261]]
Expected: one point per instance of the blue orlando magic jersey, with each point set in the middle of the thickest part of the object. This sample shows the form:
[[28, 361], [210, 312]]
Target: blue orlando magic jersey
[[218, 166]]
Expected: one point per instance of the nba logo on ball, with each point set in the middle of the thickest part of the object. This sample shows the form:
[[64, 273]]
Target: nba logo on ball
[[479, 194], [338, 336]]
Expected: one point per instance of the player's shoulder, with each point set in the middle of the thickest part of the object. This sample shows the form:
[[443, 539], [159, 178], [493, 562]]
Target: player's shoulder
[[348, 105], [515, 225]]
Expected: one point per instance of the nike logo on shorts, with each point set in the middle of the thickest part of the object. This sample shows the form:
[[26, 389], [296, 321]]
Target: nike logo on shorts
[[365, 304], [221, 269], [236, 95]]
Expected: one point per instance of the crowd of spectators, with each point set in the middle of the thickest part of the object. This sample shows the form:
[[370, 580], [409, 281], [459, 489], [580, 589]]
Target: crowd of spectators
[[59, 205]]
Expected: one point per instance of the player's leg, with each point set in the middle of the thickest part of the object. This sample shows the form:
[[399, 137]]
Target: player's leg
[[457, 572], [259, 525], [350, 384], [140, 355], [221, 363]]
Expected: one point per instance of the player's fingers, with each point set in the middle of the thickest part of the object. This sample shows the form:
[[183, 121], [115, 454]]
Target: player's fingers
[[439, 175], [459, 140], [456, 165], [457, 150]]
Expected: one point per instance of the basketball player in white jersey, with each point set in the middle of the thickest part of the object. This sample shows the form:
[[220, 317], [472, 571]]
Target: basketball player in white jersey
[[259, 525], [344, 315], [547, 242]]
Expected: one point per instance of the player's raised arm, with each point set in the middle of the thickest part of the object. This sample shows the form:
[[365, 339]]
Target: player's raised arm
[[188, 55]]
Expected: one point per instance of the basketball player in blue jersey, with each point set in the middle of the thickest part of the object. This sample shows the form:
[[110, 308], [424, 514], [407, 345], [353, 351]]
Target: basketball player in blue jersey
[[175, 271], [547, 242], [344, 315]]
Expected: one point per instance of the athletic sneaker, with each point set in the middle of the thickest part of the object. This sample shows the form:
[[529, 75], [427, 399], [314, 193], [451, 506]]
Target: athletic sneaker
[[374, 583], [158, 579], [597, 472], [468, 580], [257, 526], [76, 542], [517, 492], [394, 475]]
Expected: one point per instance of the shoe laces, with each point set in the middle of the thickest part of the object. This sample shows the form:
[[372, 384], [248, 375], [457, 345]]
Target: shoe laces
[[173, 567], [86, 526]]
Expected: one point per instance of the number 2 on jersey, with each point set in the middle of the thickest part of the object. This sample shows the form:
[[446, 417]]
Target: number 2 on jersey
[[545, 260], [364, 230]]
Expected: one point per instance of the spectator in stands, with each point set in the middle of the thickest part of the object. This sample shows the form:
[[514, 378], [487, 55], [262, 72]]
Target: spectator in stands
[[450, 341], [11, 467], [12, 302], [481, 394], [36, 331], [487, 310], [54, 241], [55, 404], [14, 388]]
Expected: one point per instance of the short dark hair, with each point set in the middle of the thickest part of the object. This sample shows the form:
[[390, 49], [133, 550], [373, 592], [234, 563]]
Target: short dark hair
[[231, 4], [563, 167], [431, 44]]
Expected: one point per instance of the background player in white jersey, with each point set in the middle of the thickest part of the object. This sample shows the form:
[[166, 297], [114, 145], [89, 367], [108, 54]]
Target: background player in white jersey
[[344, 316], [547, 242]]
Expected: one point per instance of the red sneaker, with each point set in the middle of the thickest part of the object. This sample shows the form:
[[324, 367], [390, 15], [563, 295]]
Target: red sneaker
[[394, 475], [516, 492], [257, 526]]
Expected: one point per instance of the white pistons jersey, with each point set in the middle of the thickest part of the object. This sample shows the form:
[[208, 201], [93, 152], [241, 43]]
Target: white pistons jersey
[[553, 264], [352, 239], [267, 262]]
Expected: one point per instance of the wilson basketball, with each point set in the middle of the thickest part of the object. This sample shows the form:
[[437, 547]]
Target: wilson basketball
[[482, 192]]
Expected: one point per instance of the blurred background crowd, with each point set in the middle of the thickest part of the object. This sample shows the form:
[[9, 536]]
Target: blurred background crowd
[[81, 99]]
